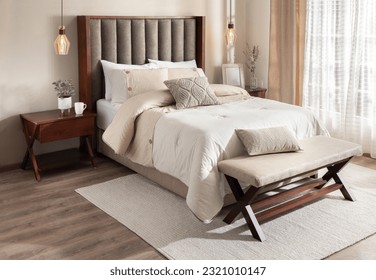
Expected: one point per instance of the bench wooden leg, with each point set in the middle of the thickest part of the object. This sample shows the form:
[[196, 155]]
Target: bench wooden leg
[[332, 173], [243, 205], [252, 223]]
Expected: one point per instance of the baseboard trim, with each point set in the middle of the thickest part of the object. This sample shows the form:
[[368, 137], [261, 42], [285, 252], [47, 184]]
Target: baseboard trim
[[10, 167]]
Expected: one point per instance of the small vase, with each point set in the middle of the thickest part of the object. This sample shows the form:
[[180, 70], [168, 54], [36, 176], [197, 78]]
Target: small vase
[[64, 104], [253, 81]]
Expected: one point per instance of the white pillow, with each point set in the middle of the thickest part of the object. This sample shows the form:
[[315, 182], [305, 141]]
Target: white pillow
[[181, 64], [111, 80], [170, 64], [143, 80]]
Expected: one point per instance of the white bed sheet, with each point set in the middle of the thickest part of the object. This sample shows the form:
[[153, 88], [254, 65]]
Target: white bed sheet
[[106, 111]]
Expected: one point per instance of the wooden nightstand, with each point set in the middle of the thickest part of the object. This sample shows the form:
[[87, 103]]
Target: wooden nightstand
[[257, 92], [50, 126]]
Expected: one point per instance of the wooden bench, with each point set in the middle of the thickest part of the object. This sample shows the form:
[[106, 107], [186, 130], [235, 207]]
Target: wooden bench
[[265, 172]]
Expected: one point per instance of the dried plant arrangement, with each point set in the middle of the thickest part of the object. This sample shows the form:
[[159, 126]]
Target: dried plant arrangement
[[251, 56]]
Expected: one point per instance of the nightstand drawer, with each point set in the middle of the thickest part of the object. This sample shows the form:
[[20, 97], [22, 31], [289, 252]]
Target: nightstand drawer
[[65, 129]]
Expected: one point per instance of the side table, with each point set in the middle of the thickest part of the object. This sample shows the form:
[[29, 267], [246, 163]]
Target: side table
[[257, 92], [50, 126]]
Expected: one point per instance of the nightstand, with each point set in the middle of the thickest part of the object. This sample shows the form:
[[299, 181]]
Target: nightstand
[[50, 126], [257, 92]]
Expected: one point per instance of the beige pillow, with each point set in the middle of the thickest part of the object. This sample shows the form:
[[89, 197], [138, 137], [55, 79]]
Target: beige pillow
[[119, 92], [226, 90], [108, 66], [268, 140], [191, 92], [179, 73], [143, 80]]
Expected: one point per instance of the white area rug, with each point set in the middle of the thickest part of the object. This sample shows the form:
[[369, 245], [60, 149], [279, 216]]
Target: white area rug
[[314, 232]]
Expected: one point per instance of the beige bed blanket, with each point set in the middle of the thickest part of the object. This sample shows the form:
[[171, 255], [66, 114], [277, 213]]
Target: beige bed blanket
[[131, 131]]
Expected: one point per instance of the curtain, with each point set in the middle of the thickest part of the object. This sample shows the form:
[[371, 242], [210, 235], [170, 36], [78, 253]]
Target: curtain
[[340, 68], [286, 50]]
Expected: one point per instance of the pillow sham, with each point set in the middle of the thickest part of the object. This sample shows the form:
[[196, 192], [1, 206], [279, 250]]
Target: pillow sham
[[143, 80], [226, 90], [191, 92], [112, 80], [170, 64], [179, 73], [268, 140], [119, 92]]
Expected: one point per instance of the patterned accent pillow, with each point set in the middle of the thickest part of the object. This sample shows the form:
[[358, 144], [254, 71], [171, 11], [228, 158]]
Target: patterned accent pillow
[[191, 92], [268, 140]]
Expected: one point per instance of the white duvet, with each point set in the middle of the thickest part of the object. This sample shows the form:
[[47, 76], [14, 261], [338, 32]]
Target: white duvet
[[187, 144]]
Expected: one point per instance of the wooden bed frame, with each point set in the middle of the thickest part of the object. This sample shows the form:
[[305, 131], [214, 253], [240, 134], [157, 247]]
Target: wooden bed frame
[[93, 38]]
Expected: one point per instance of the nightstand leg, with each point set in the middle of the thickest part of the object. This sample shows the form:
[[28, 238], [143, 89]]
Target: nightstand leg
[[29, 152], [90, 151]]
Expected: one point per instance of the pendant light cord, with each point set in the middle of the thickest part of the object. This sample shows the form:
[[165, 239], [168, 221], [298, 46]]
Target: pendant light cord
[[62, 8], [230, 11]]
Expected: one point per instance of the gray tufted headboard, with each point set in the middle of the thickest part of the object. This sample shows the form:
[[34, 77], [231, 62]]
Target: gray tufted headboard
[[132, 40]]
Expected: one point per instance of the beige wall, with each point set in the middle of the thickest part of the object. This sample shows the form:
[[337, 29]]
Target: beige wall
[[29, 65], [257, 32]]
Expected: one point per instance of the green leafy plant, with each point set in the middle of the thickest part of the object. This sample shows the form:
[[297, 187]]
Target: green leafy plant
[[64, 88]]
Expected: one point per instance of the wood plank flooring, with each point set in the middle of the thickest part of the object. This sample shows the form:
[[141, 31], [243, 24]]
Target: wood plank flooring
[[49, 220]]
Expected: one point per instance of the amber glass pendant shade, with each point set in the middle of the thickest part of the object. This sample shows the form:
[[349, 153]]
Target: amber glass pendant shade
[[61, 43]]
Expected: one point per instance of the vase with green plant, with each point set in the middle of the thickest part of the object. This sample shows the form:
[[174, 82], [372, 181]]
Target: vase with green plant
[[64, 90]]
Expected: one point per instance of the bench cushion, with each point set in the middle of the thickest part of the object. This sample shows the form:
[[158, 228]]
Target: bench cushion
[[317, 152]]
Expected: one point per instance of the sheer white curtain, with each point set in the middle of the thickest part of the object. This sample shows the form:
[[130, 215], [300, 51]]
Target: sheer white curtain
[[339, 82]]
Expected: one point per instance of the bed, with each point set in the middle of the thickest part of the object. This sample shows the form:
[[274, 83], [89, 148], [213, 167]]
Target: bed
[[178, 149]]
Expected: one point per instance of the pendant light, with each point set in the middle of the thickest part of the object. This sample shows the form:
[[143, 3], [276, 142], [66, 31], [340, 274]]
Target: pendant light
[[230, 35], [61, 43]]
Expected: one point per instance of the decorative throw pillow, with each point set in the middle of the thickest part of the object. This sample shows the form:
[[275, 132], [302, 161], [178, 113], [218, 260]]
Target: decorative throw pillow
[[143, 80], [268, 140], [191, 92]]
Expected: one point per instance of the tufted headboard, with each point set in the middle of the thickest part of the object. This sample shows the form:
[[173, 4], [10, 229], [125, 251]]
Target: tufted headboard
[[132, 40]]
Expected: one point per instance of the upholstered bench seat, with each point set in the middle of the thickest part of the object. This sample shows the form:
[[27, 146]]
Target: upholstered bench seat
[[317, 152], [261, 171]]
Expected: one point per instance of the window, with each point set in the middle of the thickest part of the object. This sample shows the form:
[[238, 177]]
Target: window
[[340, 67]]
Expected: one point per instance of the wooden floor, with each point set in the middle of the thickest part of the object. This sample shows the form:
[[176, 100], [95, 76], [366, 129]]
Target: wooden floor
[[49, 220]]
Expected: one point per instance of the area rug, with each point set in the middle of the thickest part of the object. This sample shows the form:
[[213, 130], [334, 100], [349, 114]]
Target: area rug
[[164, 221]]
